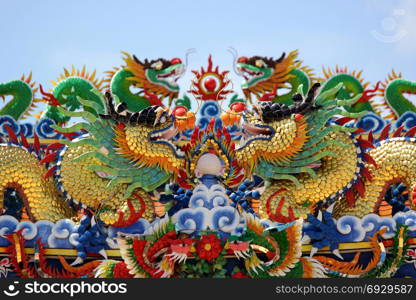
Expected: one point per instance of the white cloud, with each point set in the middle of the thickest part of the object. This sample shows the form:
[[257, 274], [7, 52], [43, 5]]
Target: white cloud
[[398, 26], [408, 24]]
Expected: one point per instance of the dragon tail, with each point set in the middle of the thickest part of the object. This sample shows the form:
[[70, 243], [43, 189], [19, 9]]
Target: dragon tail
[[20, 169], [393, 160]]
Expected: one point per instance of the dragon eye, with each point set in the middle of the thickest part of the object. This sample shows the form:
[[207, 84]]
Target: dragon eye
[[157, 65], [175, 61], [260, 63]]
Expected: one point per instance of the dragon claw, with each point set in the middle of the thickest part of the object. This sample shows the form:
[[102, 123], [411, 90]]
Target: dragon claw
[[279, 217], [103, 254], [134, 215], [313, 251], [330, 209], [319, 217], [337, 254], [110, 242], [305, 239], [77, 261]]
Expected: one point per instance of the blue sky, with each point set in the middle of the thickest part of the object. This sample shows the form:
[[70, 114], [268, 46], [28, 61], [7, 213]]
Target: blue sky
[[45, 36]]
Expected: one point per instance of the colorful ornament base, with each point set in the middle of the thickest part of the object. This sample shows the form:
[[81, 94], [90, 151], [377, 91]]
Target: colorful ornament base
[[298, 176]]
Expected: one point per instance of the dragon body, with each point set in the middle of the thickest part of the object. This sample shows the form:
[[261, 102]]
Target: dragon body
[[66, 92], [20, 169], [310, 158], [393, 93], [122, 156], [118, 161], [106, 170], [301, 146], [264, 77], [23, 100]]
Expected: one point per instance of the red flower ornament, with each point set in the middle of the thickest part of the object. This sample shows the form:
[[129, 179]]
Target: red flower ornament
[[239, 275], [209, 247]]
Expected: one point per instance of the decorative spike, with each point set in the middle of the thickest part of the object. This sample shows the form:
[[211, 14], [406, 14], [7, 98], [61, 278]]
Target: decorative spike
[[343, 120], [195, 134], [49, 98], [183, 174], [365, 144], [210, 126], [226, 133], [385, 132], [69, 135], [24, 141], [366, 173], [367, 158], [359, 131], [219, 133], [50, 172], [359, 186], [411, 132], [370, 137], [36, 144], [12, 135], [54, 146], [349, 196], [48, 158], [398, 131]]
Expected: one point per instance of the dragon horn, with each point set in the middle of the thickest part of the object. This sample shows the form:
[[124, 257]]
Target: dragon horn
[[311, 93], [301, 105], [139, 61], [279, 60], [118, 113]]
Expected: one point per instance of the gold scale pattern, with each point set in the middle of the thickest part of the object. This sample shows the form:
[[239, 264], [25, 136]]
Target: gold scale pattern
[[396, 162], [21, 170], [90, 189], [332, 176]]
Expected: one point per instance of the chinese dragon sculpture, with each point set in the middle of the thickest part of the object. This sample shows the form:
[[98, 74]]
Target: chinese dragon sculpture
[[284, 167]]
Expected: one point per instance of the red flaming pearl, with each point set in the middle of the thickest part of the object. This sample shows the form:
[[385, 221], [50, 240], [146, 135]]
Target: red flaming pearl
[[238, 106], [175, 61], [210, 84], [180, 111]]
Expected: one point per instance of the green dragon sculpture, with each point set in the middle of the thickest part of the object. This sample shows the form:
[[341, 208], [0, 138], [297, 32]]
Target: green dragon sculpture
[[311, 159], [265, 76], [155, 78], [392, 93], [23, 101], [106, 170]]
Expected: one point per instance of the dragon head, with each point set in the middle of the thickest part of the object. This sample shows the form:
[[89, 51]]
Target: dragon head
[[158, 76], [145, 137], [262, 74], [274, 132]]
